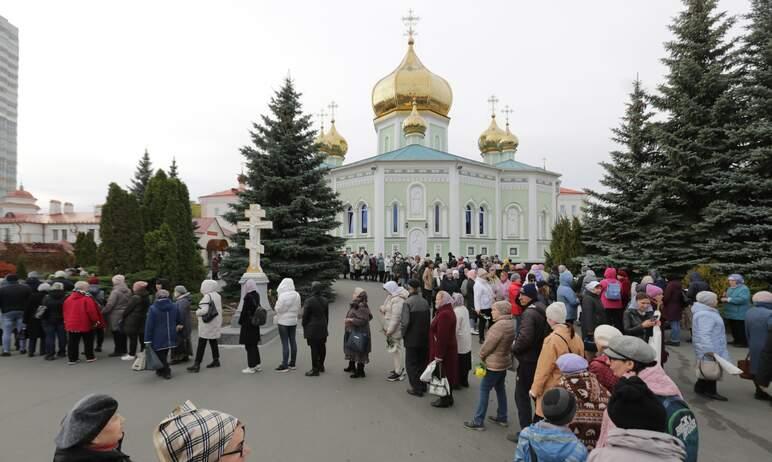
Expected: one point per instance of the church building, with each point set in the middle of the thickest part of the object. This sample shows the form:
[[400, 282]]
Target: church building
[[416, 197]]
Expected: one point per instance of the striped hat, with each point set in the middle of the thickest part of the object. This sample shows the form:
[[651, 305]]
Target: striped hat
[[190, 434]]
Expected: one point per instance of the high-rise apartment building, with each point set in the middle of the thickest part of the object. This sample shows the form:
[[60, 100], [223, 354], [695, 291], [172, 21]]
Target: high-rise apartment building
[[9, 86]]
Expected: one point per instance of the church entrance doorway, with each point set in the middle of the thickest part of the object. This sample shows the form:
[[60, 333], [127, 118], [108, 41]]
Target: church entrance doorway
[[416, 242]]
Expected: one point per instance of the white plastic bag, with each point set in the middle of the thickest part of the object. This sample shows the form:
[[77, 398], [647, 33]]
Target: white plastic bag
[[426, 376], [139, 363], [727, 366], [656, 339]]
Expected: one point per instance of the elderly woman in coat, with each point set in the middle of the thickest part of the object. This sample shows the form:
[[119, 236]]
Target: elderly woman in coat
[[737, 301], [316, 315], [442, 344], [392, 314], [184, 349], [113, 311], [133, 320], [708, 338], [357, 320], [758, 321], [208, 332], [163, 322], [249, 335]]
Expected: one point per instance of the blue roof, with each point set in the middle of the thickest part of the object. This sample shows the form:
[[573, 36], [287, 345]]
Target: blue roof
[[515, 165]]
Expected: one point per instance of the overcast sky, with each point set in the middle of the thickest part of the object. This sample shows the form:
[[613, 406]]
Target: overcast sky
[[102, 80]]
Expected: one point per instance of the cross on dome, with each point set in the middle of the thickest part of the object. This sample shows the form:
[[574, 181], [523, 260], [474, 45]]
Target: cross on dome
[[321, 114], [493, 101], [332, 106], [410, 21], [507, 111]]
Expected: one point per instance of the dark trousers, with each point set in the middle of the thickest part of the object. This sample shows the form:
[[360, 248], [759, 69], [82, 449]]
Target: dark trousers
[[318, 352], [32, 342], [614, 318], [133, 340], [415, 362], [464, 366], [482, 319], [215, 275], [201, 349], [705, 386], [120, 342], [73, 345], [525, 374], [99, 335], [737, 326], [289, 345], [253, 355], [54, 331], [382, 276], [163, 355]]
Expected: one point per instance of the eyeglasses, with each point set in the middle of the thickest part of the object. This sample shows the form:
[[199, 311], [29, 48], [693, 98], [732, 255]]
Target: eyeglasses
[[240, 449]]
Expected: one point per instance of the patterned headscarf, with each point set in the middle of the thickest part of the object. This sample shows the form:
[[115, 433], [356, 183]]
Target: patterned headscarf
[[445, 298], [192, 434]]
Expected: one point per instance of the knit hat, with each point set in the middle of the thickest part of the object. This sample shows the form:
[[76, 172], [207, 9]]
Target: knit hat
[[627, 347], [556, 312], [503, 307], [559, 406], [60, 274], [162, 293], [570, 363], [529, 290], [653, 290], [414, 283], [391, 287], [182, 290], [12, 277], [604, 333], [591, 285], [191, 434], [85, 420], [514, 277], [138, 285], [44, 287], [763, 296], [634, 406], [707, 298], [93, 280]]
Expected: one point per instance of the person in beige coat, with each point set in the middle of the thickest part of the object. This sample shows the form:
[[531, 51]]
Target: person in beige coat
[[495, 353], [392, 314], [562, 340]]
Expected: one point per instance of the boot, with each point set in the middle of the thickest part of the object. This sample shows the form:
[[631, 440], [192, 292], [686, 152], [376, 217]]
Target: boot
[[195, 367], [215, 363], [359, 371], [350, 367]]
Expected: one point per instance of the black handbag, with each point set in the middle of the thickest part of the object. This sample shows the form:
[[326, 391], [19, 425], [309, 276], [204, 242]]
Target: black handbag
[[259, 317], [211, 312], [357, 341]]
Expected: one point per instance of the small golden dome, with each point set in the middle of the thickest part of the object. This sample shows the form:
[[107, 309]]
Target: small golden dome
[[489, 139], [332, 143], [411, 79], [414, 123], [509, 142]]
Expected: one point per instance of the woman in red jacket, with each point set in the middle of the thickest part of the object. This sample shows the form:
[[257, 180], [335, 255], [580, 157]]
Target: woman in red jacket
[[443, 346], [81, 316], [514, 294]]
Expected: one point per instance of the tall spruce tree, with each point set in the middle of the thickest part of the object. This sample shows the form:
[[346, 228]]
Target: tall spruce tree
[[161, 253], [142, 176], [566, 246], [179, 217], [173, 172], [85, 249], [695, 141], [157, 195], [122, 248], [739, 221], [285, 176], [615, 220]]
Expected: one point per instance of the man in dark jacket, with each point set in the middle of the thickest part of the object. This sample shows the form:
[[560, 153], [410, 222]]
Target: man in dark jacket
[[14, 298], [593, 314], [415, 334], [526, 348], [316, 313]]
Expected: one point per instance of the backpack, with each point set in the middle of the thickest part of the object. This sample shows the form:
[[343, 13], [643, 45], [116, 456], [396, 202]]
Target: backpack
[[614, 291], [682, 424], [259, 317]]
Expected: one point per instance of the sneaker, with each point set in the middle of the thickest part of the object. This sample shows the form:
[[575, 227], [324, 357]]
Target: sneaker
[[291, 367], [282, 369], [500, 423], [128, 358], [72, 363], [475, 332], [90, 360], [248, 370], [6, 354], [258, 368], [393, 377], [473, 426]]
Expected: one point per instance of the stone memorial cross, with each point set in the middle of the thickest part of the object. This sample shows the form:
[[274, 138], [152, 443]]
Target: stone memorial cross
[[255, 214]]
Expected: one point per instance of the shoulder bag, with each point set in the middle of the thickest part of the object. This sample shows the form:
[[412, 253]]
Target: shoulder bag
[[708, 369], [357, 341], [211, 311]]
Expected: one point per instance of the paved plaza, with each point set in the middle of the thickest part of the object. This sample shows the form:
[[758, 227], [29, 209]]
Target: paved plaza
[[290, 417]]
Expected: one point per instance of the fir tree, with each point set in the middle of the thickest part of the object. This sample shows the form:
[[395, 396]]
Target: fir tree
[[615, 219], [695, 141], [285, 176], [161, 253], [178, 216], [157, 195], [85, 249], [173, 168], [141, 176], [739, 221], [566, 245], [120, 226]]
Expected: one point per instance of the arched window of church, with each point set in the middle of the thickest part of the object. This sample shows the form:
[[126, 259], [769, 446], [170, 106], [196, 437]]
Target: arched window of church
[[350, 220], [543, 225], [482, 221], [437, 218], [468, 220], [363, 229], [394, 219]]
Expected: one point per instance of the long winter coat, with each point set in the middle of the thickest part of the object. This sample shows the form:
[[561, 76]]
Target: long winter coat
[[116, 305], [442, 342], [360, 314], [249, 334], [136, 312], [212, 329], [696, 285], [53, 302], [288, 304], [708, 333], [163, 317], [566, 294], [316, 315], [764, 372], [392, 313], [32, 324], [183, 306], [758, 321], [593, 314], [739, 302], [673, 300], [81, 313], [415, 321], [547, 375], [533, 330]]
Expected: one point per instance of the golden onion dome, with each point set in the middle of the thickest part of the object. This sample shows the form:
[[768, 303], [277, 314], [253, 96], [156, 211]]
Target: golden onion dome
[[414, 123], [411, 79], [489, 139], [509, 142], [332, 143]]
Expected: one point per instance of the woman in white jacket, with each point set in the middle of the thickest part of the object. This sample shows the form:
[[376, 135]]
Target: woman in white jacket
[[208, 331], [287, 311]]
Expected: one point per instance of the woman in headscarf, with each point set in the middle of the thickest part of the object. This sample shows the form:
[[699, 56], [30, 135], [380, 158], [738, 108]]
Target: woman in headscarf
[[737, 300], [208, 332], [357, 320], [249, 335], [184, 349], [133, 320], [709, 339], [463, 340], [442, 345]]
